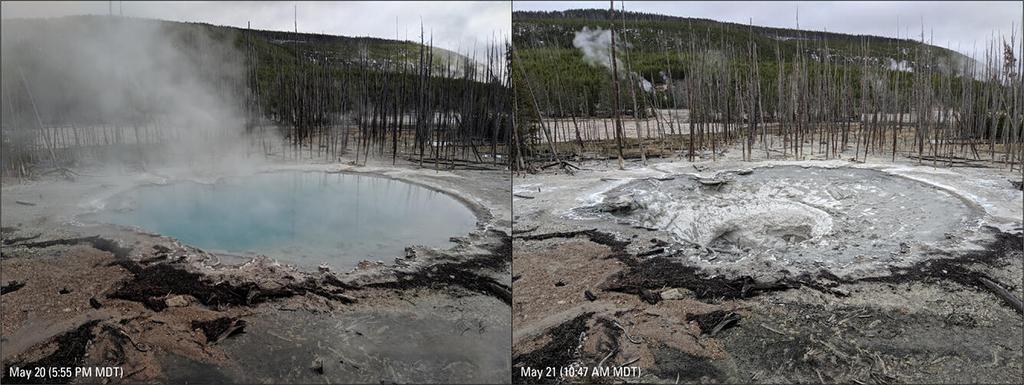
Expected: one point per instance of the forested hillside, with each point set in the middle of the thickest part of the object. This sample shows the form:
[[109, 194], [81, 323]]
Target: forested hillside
[[695, 84], [658, 47], [647, 32], [115, 80]]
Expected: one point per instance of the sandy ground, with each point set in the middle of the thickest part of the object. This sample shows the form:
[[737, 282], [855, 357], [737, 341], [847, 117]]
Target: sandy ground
[[606, 290], [101, 295]]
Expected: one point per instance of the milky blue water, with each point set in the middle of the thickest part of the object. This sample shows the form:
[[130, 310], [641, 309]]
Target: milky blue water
[[305, 218]]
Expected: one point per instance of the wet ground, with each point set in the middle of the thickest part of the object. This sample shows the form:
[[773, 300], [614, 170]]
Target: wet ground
[[432, 341], [769, 272], [86, 294]]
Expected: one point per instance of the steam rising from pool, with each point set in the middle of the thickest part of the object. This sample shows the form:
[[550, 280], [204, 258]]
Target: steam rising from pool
[[305, 218]]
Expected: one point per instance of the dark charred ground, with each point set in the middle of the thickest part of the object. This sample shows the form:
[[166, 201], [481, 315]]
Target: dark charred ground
[[936, 321], [464, 273], [134, 305]]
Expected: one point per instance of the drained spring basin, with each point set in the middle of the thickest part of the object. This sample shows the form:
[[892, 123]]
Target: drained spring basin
[[795, 213], [305, 218]]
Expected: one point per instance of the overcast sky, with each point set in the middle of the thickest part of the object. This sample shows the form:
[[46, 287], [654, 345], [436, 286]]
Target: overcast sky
[[953, 22], [456, 25]]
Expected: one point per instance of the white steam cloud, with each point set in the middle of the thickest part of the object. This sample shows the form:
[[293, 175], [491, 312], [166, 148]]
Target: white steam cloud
[[595, 44], [181, 86]]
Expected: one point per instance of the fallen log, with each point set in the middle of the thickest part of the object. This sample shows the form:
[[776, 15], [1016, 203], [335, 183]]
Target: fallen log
[[11, 287], [724, 323], [15, 240], [568, 167], [526, 230], [714, 322], [96, 241], [457, 164], [654, 251], [1000, 291], [954, 161], [625, 333], [712, 182], [218, 329]]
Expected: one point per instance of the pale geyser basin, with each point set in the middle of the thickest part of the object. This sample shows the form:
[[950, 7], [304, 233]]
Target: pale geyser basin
[[794, 213], [303, 218]]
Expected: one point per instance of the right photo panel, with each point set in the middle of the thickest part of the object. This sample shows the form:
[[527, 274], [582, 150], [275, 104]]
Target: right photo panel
[[767, 192]]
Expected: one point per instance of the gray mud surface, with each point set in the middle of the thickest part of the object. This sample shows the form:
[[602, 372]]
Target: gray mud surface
[[800, 215], [433, 341]]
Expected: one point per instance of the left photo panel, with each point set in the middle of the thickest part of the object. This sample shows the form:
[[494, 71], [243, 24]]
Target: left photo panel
[[255, 192]]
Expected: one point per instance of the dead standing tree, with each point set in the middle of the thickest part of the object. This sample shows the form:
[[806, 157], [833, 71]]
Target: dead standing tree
[[615, 80]]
